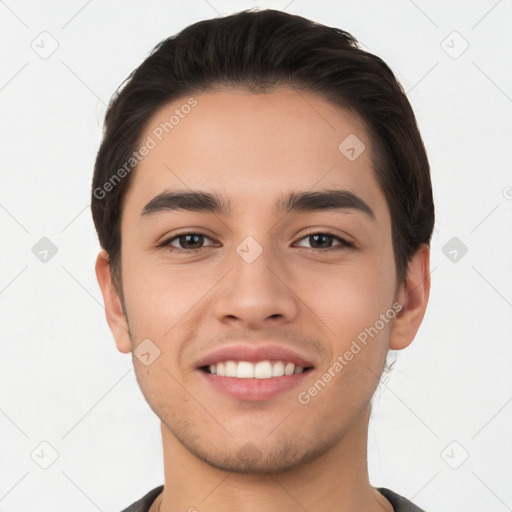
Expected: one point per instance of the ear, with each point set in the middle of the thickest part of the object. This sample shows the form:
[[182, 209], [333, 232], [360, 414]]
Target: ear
[[413, 296], [113, 308]]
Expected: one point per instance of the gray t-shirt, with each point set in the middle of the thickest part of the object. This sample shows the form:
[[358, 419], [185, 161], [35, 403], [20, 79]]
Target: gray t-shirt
[[400, 504]]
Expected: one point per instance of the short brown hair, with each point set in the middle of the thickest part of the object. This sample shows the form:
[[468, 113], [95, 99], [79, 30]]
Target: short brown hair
[[260, 50]]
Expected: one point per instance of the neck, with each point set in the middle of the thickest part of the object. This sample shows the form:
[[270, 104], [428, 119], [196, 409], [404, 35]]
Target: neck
[[337, 480]]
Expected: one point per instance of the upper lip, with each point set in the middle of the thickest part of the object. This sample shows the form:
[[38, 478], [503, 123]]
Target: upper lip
[[253, 353]]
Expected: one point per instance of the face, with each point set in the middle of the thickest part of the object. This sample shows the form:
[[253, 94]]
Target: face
[[258, 287]]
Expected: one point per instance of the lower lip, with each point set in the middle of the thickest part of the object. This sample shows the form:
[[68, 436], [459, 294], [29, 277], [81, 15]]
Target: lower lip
[[254, 389]]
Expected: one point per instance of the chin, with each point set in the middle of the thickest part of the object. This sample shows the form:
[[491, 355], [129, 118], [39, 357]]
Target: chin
[[249, 459]]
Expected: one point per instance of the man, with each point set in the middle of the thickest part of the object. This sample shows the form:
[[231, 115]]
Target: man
[[263, 201]]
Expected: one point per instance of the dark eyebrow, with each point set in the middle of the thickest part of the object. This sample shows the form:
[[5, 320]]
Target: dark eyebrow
[[292, 202], [187, 200], [322, 200]]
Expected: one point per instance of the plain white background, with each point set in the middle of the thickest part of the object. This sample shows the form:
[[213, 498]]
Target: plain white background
[[440, 430]]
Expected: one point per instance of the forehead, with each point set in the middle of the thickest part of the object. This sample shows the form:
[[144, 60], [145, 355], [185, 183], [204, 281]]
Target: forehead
[[254, 147]]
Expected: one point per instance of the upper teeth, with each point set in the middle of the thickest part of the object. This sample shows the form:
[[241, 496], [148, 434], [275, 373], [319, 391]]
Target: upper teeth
[[259, 370]]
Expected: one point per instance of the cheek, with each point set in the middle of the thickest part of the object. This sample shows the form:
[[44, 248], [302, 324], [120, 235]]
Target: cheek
[[352, 304], [343, 299], [160, 296], [348, 298]]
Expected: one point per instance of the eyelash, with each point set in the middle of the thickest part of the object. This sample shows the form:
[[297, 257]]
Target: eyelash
[[344, 244]]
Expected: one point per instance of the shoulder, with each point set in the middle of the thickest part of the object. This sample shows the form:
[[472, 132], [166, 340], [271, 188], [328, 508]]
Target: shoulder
[[145, 502], [400, 504]]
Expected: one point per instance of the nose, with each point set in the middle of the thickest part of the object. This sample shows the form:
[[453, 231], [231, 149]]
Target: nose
[[257, 293]]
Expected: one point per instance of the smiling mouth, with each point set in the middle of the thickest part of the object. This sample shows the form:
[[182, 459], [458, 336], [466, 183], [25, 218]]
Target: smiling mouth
[[265, 369]]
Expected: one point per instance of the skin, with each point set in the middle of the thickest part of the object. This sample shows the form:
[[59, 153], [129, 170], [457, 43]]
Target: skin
[[276, 454]]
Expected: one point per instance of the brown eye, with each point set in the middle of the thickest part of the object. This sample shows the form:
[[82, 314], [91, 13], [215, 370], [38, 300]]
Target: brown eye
[[323, 241], [185, 242]]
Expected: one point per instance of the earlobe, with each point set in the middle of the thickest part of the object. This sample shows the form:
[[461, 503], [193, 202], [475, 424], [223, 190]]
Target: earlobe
[[114, 313], [413, 296]]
